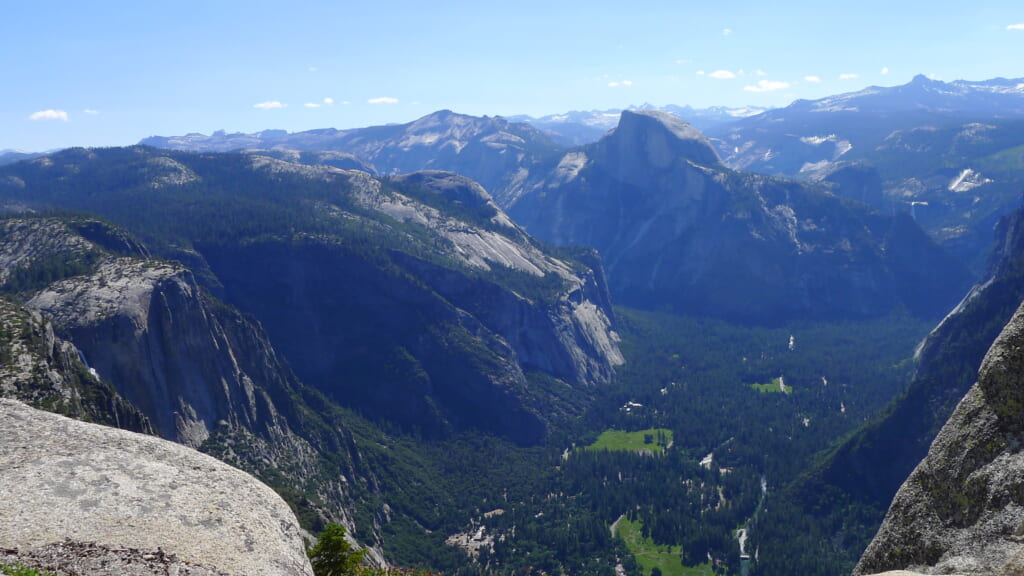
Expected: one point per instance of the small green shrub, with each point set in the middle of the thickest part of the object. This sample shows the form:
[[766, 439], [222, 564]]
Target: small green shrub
[[333, 555]]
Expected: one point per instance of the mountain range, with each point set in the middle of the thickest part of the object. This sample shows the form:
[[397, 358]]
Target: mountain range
[[947, 152], [396, 327]]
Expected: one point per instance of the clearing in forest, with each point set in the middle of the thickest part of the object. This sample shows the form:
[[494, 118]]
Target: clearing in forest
[[654, 440]]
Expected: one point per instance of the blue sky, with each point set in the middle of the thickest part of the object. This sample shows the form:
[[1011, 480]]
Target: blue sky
[[104, 73]]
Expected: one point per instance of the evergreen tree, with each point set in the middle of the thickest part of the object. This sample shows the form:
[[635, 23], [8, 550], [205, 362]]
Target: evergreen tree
[[333, 555]]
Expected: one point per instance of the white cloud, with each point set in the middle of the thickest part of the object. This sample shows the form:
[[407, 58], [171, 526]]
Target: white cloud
[[91, 112], [684, 61], [329, 101], [885, 70], [269, 105], [722, 75], [345, 102], [383, 100], [760, 72], [726, 31], [1015, 27], [622, 83], [813, 79], [700, 72], [848, 76], [311, 105], [767, 86], [49, 115], [312, 68]]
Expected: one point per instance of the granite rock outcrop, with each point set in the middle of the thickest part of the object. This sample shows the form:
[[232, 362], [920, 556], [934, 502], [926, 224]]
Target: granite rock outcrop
[[962, 509], [65, 479]]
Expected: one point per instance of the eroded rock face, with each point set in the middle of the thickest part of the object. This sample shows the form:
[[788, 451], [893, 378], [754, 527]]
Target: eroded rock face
[[962, 509], [144, 326], [65, 479], [43, 370]]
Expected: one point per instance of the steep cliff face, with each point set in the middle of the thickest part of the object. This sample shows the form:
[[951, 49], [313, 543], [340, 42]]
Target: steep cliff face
[[678, 231], [133, 315], [43, 370], [142, 347], [64, 479], [962, 509], [445, 345]]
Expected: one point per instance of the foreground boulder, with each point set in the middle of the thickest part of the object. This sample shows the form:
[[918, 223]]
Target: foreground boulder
[[62, 479], [962, 509]]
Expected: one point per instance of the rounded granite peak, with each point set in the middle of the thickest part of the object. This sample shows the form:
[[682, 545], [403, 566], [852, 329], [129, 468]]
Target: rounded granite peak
[[661, 138], [449, 184]]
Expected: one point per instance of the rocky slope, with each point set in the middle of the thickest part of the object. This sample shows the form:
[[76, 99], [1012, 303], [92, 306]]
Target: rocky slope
[[457, 343], [962, 508], [679, 231], [419, 284], [64, 479]]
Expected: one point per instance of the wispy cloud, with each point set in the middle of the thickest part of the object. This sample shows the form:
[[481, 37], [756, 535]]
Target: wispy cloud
[[49, 115], [722, 75], [620, 83], [812, 79], [311, 68], [849, 76], [91, 112], [700, 72], [270, 105], [383, 100], [885, 70], [1015, 27], [767, 86], [311, 105], [329, 101], [760, 72], [684, 61], [726, 31]]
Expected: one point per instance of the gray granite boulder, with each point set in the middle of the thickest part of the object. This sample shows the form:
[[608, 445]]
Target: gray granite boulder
[[62, 479]]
